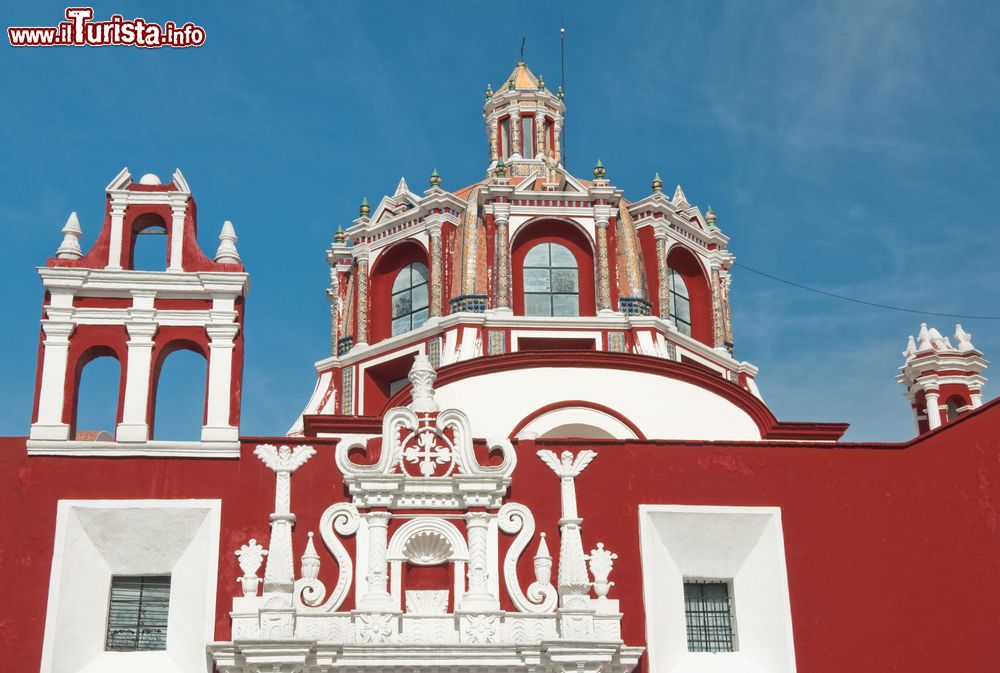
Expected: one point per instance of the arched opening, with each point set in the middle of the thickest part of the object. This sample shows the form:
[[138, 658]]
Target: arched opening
[[98, 385], [178, 394], [577, 431], [149, 243], [399, 291], [692, 297], [551, 281], [410, 307], [552, 265], [954, 406]]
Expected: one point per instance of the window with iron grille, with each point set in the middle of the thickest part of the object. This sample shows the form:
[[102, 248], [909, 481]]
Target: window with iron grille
[[137, 613], [708, 611]]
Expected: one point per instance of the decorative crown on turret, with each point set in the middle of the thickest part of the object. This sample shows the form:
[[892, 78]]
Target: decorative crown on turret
[[365, 208]]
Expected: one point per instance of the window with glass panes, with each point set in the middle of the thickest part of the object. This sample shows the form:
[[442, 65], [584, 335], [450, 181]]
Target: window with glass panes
[[528, 137], [137, 613], [708, 611], [680, 303], [410, 306], [551, 281]]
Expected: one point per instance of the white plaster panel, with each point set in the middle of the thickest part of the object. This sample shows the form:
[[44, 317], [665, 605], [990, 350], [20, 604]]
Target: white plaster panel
[[741, 544], [96, 539], [662, 408]]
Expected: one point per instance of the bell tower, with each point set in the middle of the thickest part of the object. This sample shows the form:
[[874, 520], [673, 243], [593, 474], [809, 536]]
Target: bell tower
[[942, 380], [99, 304]]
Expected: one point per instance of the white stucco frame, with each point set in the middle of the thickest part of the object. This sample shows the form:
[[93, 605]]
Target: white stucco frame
[[741, 544], [96, 539]]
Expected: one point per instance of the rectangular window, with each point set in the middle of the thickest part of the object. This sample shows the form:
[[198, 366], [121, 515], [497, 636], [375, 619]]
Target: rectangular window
[[505, 138], [137, 613], [528, 137], [709, 616]]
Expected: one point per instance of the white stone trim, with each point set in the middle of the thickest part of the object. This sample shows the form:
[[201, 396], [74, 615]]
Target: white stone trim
[[95, 539], [742, 544], [154, 448]]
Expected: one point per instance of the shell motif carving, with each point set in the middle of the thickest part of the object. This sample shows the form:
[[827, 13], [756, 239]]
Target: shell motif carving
[[427, 548]]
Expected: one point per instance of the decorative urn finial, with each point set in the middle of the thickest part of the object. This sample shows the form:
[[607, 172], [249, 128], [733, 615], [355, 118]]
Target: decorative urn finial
[[501, 169], [511, 84], [599, 172], [435, 179], [70, 246], [560, 94], [364, 209], [422, 376], [489, 91], [657, 184], [227, 253], [339, 237], [541, 82], [710, 217]]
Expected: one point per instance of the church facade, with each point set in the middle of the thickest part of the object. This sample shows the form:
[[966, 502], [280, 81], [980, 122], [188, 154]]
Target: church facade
[[530, 448]]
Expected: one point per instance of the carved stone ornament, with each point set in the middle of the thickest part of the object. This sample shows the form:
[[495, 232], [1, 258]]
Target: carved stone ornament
[[427, 501], [427, 458]]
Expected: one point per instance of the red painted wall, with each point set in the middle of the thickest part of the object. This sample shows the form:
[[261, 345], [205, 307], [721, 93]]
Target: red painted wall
[[891, 550]]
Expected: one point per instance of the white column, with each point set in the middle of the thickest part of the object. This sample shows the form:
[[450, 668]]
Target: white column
[[377, 597], [177, 212], [117, 225], [51, 391], [138, 372], [279, 575], [479, 598], [515, 132], [933, 409], [220, 383], [662, 270], [976, 397]]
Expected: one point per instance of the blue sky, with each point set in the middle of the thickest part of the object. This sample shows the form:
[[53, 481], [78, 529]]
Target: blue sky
[[851, 146]]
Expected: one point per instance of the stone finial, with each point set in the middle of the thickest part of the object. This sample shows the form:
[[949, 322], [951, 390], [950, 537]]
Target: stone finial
[[541, 82], [422, 376], [963, 340], [710, 217], [657, 184], [340, 236], [402, 187], [501, 169], [227, 253], [310, 560], [560, 94], [489, 91], [364, 209], [911, 348], [70, 246], [599, 172], [435, 179], [924, 337], [679, 198], [511, 84], [543, 562]]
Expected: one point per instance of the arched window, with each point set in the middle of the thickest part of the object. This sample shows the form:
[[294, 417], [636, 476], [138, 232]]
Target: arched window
[[409, 299], [551, 281], [680, 303]]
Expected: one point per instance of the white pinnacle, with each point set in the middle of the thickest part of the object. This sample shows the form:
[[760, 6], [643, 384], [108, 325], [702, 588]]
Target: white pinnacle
[[227, 253], [402, 187], [70, 247], [679, 198]]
